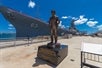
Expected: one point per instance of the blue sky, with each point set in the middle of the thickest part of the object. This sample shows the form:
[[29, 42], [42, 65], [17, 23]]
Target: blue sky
[[88, 13]]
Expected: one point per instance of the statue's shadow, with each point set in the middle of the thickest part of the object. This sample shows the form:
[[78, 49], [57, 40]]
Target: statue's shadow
[[39, 61]]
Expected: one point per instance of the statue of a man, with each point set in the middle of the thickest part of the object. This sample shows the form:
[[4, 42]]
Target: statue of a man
[[53, 22]]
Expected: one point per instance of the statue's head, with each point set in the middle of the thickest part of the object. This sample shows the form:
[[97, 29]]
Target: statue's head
[[53, 12]]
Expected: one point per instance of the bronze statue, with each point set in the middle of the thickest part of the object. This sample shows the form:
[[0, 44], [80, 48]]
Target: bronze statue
[[53, 52], [53, 22]]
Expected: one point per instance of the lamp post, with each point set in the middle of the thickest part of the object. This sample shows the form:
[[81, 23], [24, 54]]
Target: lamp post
[[0, 36]]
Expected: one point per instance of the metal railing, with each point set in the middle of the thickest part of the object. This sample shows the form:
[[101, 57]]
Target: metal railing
[[85, 56], [22, 41]]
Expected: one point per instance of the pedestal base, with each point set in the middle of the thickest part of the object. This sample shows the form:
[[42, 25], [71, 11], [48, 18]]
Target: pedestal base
[[52, 55]]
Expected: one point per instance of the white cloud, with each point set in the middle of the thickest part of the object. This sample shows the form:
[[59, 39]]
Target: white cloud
[[10, 28], [31, 4], [91, 19], [81, 16], [99, 27], [61, 25], [92, 23], [74, 18], [10, 25], [81, 20], [70, 17], [67, 26], [64, 17]]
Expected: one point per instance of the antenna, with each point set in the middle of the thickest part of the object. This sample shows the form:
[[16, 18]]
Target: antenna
[[37, 11]]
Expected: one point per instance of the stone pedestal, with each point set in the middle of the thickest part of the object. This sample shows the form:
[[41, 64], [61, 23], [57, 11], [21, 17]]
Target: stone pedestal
[[52, 55]]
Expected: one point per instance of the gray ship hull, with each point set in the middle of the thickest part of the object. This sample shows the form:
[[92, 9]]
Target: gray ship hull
[[25, 25]]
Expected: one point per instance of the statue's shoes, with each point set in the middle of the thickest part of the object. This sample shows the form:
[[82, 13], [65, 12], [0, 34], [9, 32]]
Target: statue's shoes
[[57, 45]]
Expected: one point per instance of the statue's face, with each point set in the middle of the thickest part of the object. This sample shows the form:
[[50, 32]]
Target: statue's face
[[53, 13]]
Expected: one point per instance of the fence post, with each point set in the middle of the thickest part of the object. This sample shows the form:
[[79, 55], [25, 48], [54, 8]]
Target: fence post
[[28, 40], [81, 59], [15, 42]]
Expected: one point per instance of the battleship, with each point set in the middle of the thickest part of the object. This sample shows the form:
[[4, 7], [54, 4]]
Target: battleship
[[26, 26], [73, 31], [97, 34]]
